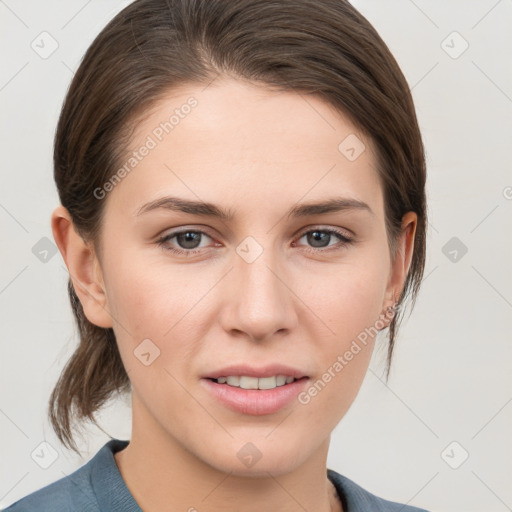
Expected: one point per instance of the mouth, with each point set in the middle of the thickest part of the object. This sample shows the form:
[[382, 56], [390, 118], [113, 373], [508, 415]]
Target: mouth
[[252, 391]]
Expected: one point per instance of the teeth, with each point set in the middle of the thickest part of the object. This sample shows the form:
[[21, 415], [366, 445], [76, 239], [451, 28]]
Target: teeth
[[233, 381], [246, 382], [249, 382], [267, 383], [280, 380]]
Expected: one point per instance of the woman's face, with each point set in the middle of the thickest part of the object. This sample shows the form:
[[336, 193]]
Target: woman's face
[[270, 290]]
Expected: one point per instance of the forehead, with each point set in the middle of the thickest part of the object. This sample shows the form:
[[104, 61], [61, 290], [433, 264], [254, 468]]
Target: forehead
[[232, 139]]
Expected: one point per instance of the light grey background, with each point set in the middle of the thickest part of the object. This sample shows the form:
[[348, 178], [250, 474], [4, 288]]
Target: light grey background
[[450, 390]]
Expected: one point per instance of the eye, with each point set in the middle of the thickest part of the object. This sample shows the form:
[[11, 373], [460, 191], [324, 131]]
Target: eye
[[320, 238], [187, 239]]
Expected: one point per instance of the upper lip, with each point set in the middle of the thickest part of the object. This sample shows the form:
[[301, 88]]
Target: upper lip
[[261, 372]]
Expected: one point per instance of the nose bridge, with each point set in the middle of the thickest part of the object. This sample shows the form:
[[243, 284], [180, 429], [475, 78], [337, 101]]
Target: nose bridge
[[262, 303]]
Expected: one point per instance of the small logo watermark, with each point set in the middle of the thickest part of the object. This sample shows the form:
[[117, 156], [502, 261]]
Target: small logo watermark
[[351, 147], [249, 455], [44, 250], [44, 45], [454, 45], [455, 455], [249, 249], [146, 352], [454, 249], [44, 455]]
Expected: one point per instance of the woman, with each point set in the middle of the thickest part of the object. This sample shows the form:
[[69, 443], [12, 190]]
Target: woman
[[242, 190]]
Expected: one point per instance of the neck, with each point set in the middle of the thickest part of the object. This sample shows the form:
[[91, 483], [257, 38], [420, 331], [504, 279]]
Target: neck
[[162, 474]]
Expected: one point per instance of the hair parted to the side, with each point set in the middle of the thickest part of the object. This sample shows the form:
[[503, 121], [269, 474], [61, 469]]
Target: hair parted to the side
[[320, 47]]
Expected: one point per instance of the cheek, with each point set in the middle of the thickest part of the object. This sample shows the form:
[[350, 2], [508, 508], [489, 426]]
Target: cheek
[[150, 305], [349, 302], [150, 299], [166, 304], [345, 299]]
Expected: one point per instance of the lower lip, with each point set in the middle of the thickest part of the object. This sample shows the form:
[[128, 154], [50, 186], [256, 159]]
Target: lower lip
[[255, 401]]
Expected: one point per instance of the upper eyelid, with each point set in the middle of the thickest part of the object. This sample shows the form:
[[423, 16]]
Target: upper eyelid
[[346, 232]]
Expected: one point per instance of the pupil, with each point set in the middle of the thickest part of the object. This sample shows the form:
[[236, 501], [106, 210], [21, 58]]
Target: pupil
[[188, 238], [317, 236]]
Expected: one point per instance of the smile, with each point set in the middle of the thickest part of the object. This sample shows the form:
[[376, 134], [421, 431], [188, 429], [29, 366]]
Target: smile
[[246, 382]]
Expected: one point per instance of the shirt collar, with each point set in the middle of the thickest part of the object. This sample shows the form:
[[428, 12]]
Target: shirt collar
[[108, 484]]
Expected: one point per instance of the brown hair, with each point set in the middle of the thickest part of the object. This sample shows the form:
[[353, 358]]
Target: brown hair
[[321, 47]]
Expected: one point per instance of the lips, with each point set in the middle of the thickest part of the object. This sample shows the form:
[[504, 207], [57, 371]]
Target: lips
[[255, 391]]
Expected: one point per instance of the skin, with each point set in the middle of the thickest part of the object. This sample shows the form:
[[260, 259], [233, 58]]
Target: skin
[[257, 153]]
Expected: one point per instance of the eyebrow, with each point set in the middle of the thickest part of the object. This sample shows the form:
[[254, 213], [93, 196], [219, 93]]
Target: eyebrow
[[336, 204]]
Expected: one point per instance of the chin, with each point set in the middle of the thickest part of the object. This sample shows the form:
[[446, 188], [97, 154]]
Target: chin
[[257, 457]]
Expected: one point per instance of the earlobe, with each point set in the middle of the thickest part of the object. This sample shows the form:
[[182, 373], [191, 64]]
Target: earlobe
[[83, 267]]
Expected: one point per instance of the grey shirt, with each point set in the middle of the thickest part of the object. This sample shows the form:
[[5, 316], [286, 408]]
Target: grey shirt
[[98, 486]]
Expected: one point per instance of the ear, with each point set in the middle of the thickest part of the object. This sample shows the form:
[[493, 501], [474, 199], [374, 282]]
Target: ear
[[84, 268], [400, 266]]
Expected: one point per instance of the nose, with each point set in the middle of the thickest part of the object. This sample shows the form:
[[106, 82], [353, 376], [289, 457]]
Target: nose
[[262, 304]]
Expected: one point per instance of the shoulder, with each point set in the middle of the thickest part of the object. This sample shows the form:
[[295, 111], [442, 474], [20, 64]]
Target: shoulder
[[357, 499], [72, 492], [80, 491]]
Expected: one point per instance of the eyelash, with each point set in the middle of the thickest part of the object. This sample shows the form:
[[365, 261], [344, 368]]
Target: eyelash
[[345, 240]]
